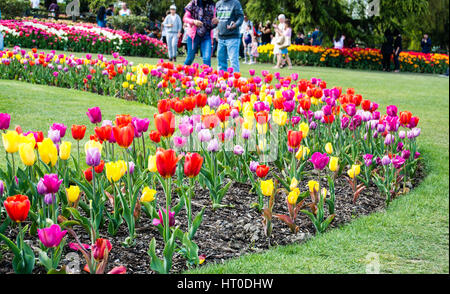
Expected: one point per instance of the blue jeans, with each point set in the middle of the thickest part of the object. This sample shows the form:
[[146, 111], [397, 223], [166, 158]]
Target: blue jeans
[[172, 44], [192, 48], [228, 49], [1, 41]]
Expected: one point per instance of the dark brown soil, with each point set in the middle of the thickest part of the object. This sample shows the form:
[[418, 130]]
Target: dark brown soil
[[224, 233]]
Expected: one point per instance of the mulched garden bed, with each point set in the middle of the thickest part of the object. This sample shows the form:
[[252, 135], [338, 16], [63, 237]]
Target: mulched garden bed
[[224, 233]]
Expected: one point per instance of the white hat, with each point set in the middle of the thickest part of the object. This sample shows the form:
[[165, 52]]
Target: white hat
[[173, 7]]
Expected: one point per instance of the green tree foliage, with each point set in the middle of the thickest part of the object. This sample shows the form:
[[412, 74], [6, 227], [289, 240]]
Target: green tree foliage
[[13, 8]]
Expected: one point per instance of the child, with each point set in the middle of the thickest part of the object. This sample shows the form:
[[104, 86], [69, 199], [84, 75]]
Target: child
[[247, 40], [254, 50]]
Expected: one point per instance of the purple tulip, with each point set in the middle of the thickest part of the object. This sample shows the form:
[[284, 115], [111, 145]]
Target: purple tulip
[[345, 121], [5, 120], [385, 160], [389, 139], [51, 236], [131, 167], [381, 128], [2, 188], [289, 105], [327, 110], [406, 154], [157, 222], [94, 114], [229, 134], [246, 134], [214, 101], [355, 123], [54, 135], [416, 132], [140, 126], [376, 115], [416, 155], [391, 110], [213, 146], [51, 183], [48, 199], [41, 187], [400, 146], [93, 157], [350, 109], [398, 161], [368, 159], [313, 125], [392, 123], [253, 165], [204, 135], [61, 128], [238, 150], [319, 160]]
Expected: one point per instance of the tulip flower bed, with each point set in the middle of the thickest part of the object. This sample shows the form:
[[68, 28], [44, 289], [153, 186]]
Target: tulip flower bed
[[78, 37], [228, 165], [358, 58]]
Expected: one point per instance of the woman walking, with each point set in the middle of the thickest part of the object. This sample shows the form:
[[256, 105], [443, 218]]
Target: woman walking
[[172, 25], [387, 50], [200, 15], [282, 40]]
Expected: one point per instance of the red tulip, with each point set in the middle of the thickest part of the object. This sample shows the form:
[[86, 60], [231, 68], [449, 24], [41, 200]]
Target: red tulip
[[166, 162], [78, 132], [262, 170], [201, 99], [294, 138], [100, 248], [192, 164], [178, 106], [155, 136], [17, 207], [189, 103], [88, 174], [124, 135], [262, 117], [99, 168], [165, 123]]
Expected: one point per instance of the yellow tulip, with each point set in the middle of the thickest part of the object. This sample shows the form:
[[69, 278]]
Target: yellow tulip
[[48, 152], [293, 196], [329, 148], [28, 139], [267, 187], [11, 141], [148, 195], [334, 163], [302, 153], [152, 164], [64, 150], [305, 129], [279, 117], [294, 184], [354, 171], [27, 155], [313, 186], [93, 144], [115, 170], [73, 192]]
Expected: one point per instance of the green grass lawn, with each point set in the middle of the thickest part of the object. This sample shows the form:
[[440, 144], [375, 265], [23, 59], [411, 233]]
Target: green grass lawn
[[411, 236]]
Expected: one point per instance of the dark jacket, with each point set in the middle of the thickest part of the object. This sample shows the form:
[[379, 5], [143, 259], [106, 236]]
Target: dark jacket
[[426, 46], [228, 11]]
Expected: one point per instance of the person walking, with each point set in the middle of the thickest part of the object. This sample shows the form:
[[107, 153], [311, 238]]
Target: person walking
[[54, 10], [200, 15], [397, 50], [101, 17], [387, 50], [172, 24], [125, 11], [243, 28], [282, 41], [230, 16], [426, 44]]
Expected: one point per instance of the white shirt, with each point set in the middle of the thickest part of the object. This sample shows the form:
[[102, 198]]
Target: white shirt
[[339, 44], [35, 4], [123, 12]]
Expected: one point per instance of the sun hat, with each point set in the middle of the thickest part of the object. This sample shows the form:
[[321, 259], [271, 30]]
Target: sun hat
[[173, 7]]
